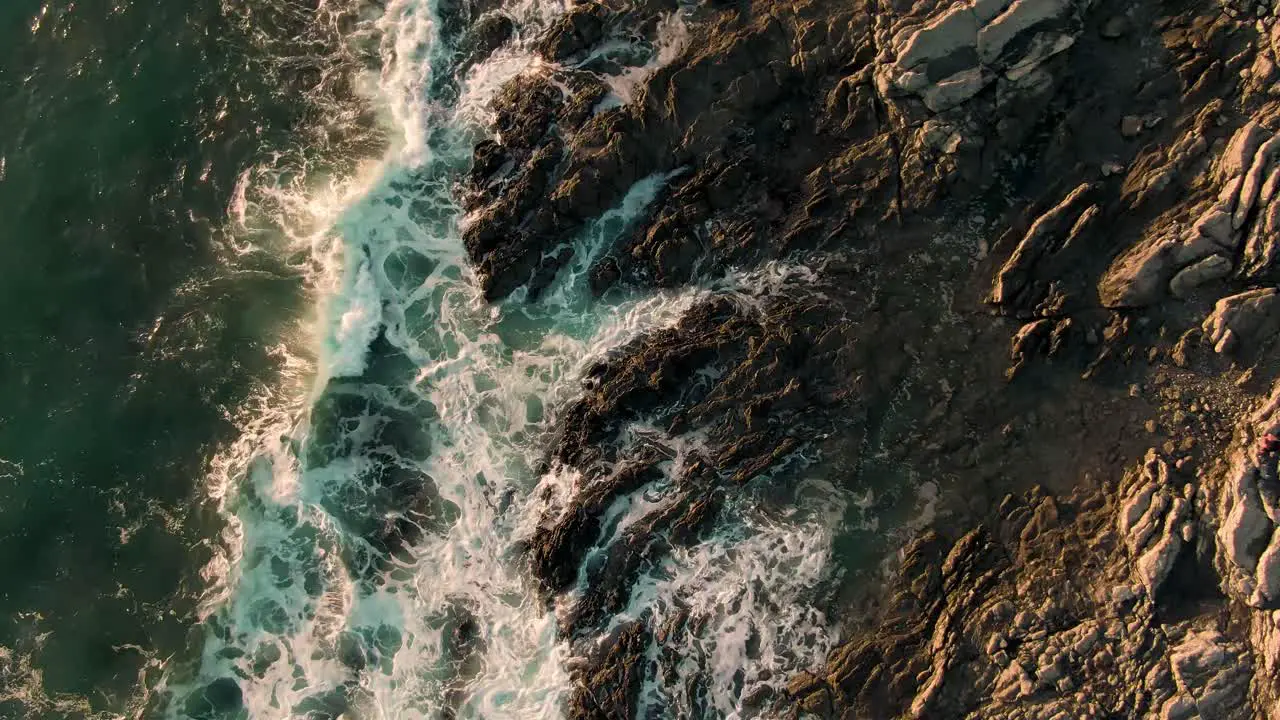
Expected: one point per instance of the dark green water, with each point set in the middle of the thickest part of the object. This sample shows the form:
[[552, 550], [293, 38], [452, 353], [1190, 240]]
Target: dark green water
[[128, 337]]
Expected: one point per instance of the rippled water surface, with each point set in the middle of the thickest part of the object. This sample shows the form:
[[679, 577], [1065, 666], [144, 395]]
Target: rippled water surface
[[264, 449]]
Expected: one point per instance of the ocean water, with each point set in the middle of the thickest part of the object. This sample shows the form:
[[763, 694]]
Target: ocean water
[[135, 321], [265, 452]]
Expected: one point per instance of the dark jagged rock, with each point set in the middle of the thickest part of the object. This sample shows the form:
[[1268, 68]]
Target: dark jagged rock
[[1084, 191], [664, 130], [608, 689], [1148, 598], [575, 31], [1057, 230], [808, 130], [490, 32], [788, 355], [463, 653]]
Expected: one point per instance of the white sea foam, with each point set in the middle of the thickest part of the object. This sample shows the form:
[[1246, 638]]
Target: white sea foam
[[749, 591], [10, 470], [296, 611], [484, 81], [22, 681], [671, 40]]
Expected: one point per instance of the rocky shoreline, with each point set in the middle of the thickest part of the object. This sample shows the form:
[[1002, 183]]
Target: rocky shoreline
[[1046, 236]]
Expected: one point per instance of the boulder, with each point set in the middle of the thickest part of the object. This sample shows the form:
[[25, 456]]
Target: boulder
[[1247, 318], [954, 31], [1214, 267], [1262, 247], [1020, 17], [1048, 230], [1240, 151]]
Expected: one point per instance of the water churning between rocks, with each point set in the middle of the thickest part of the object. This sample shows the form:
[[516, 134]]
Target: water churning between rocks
[[378, 497]]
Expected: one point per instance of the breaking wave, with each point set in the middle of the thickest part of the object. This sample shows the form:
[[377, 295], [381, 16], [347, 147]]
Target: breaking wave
[[376, 500]]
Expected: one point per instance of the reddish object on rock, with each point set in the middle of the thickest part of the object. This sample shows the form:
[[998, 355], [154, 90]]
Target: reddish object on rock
[[1269, 443]]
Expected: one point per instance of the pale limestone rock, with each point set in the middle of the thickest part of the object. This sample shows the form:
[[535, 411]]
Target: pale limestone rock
[[988, 10], [1010, 683], [1262, 248], [1151, 519], [1270, 188], [1214, 672], [939, 135], [912, 81], [1178, 707], [1263, 71], [1238, 156], [1246, 525], [956, 89], [1141, 277], [1229, 195], [1215, 224], [1021, 16], [1250, 315], [1195, 247], [1043, 46], [953, 31], [1253, 181], [1227, 343], [1135, 506], [1267, 590], [1086, 222], [1154, 565], [1214, 267]]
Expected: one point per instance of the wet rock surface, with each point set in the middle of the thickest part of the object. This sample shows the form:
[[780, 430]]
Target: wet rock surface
[[1043, 241], [674, 397]]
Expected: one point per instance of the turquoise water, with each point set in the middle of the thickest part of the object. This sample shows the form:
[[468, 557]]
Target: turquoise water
[[265, 452]]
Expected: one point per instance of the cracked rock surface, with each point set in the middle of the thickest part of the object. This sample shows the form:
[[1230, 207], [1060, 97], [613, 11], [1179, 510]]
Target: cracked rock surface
[[1041, 246]]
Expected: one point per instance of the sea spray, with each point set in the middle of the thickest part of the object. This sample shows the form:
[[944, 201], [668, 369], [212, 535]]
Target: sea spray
[[374, 521]]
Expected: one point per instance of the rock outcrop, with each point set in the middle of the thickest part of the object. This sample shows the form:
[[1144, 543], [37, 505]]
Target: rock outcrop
[[1238, 221], [791, 355], [1248, 558], [1053, 609], [1064, 608], [1092, 185], [1155, 522], [1250, 318]]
